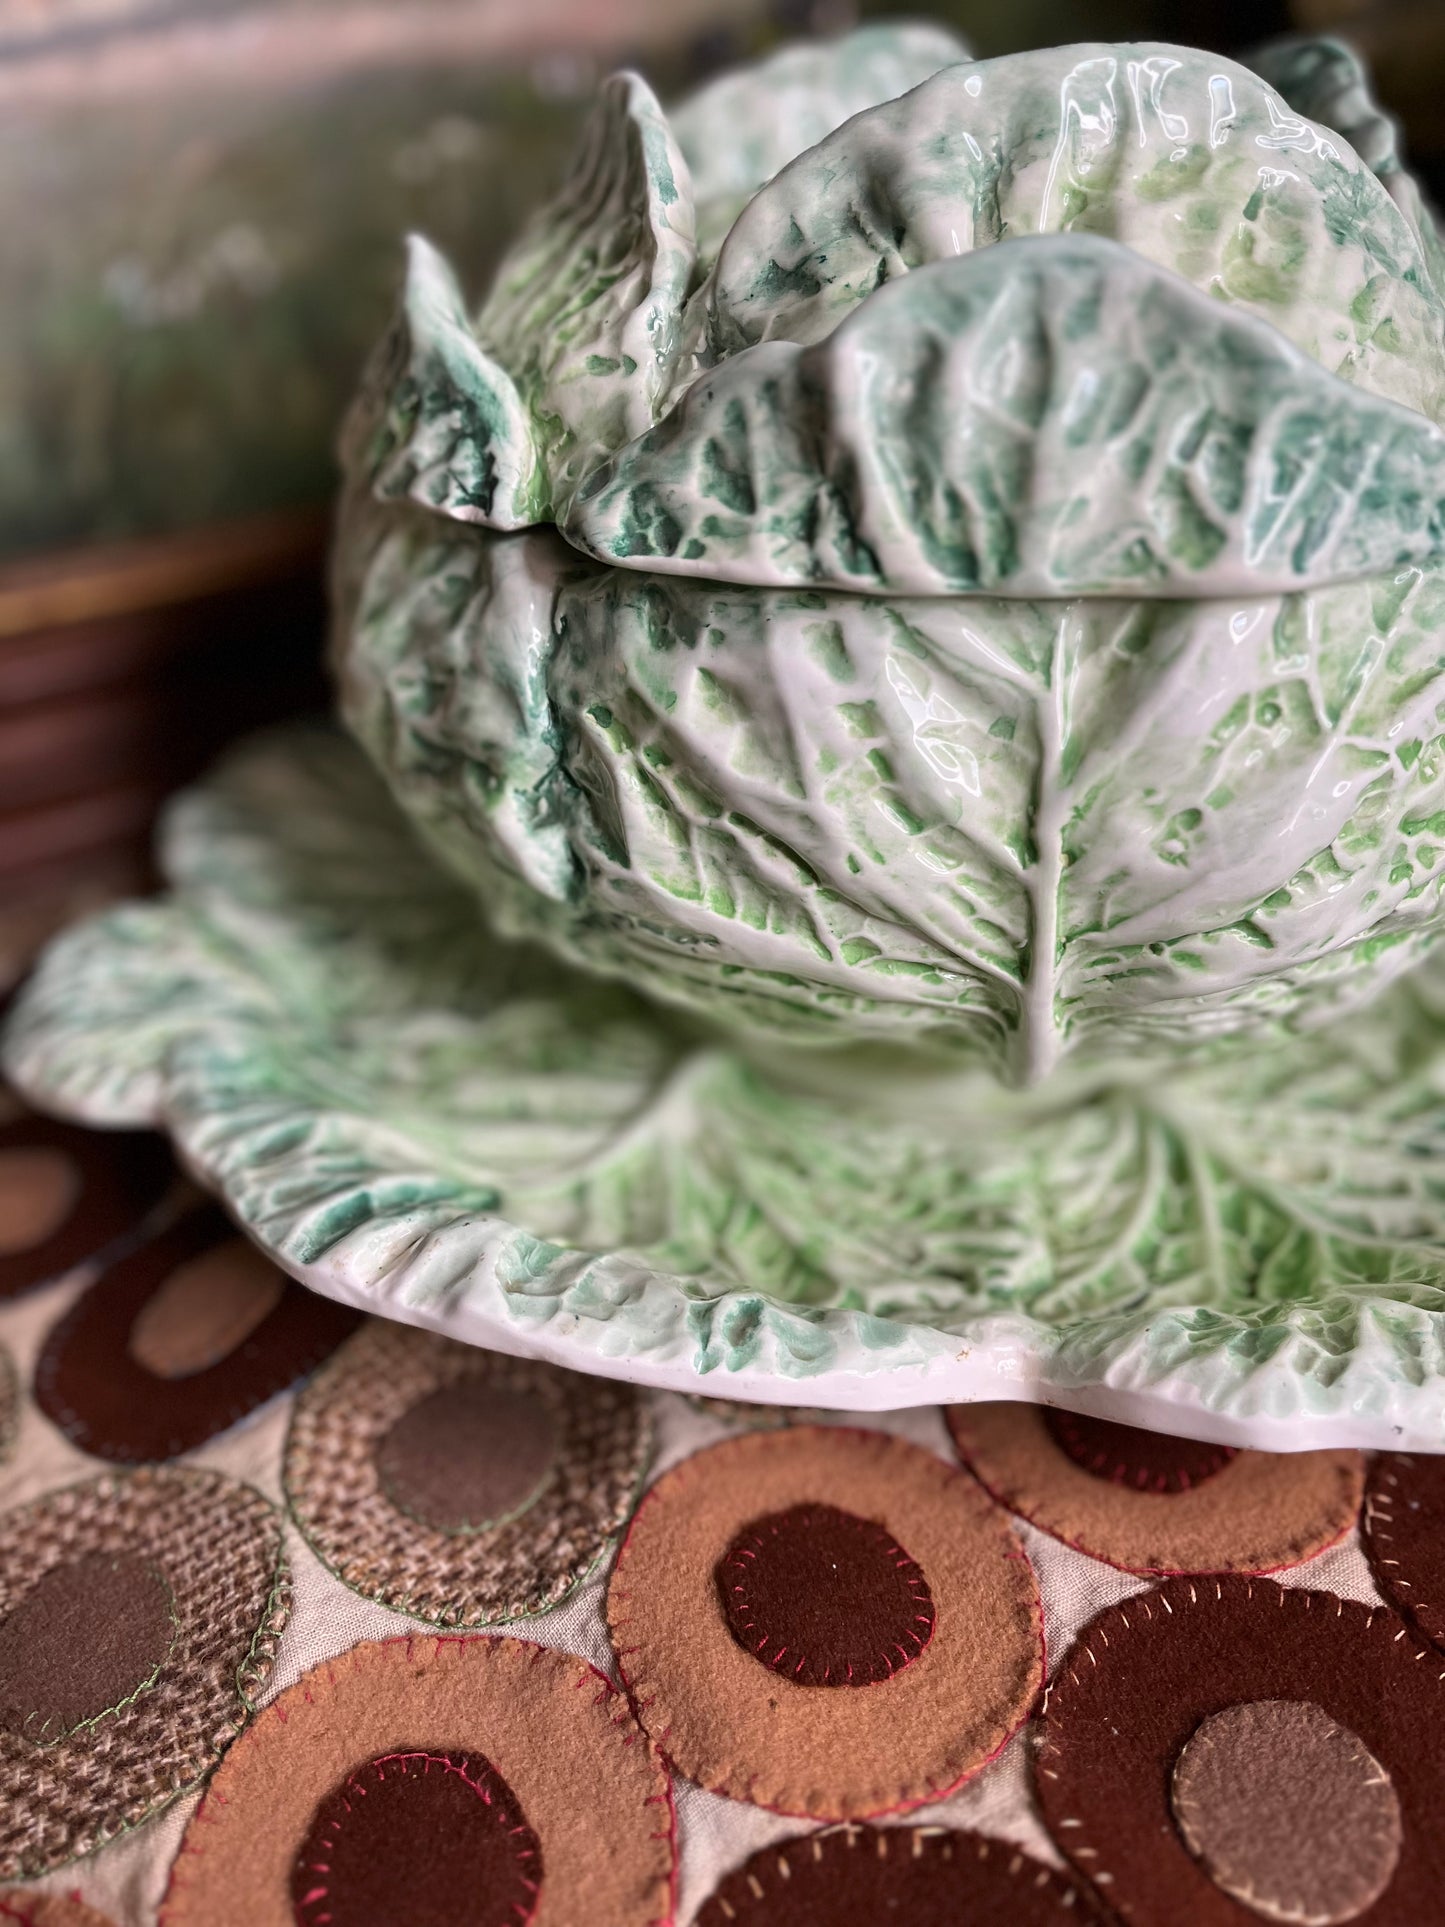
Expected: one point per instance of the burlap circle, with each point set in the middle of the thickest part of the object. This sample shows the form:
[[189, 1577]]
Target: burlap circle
[[218, 1545], [739, 1728], [523, 1565], [588, 1782], [1258, 1513], [924, 1876], [1143, 1675]]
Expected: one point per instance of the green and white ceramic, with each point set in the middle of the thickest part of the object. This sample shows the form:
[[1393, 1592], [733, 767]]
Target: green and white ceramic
[[975, 581], [422, 1119], [898, 859]]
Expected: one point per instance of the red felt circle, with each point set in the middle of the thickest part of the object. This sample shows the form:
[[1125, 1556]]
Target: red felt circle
[[1144, 1461], [824, 1597], [432, 1839]]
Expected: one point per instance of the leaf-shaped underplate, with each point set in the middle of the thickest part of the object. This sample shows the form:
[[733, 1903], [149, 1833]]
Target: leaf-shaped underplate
[[1047, 417], [459, 1135]]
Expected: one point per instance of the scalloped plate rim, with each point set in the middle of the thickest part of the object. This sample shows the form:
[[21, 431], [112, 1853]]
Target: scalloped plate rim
[[1007, 1363]]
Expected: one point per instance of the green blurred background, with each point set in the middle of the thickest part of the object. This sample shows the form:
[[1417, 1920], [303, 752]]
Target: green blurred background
[[200, 202]]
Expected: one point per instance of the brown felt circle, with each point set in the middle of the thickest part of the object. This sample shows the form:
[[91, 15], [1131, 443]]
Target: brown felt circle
[[824, 1597], [39, 1188], [1146, 1461], [1288, 1811], [112, 1179], [739, 1729], [217, 1546], [205, 1309], [853, 1876], [589, 1784], [109, 1374], [430, 1838], [468, 1455], [344, 1450], [1258, 1513], [84, 1641], [1143, 1677], [49, 1910], [1402, 1530]]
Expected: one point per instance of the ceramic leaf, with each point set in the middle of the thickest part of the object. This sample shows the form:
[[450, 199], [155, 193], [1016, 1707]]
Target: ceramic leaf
[[1024, 828], [440, 422], [1048, 417], [587, 305], [1325, 80], [1188, 159], [738, 131]]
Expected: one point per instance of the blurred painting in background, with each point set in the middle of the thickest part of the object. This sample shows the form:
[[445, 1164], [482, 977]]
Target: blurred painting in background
[[201, 211]]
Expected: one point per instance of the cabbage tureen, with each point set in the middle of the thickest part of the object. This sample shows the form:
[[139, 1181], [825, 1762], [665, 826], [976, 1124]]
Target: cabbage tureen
[[933, 549]]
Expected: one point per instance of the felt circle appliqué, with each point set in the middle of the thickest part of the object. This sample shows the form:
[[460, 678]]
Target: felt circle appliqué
[[181, 1339], [418, 1837], [1402, 1530], [469, 1455], [728, 1719], [89, 1637], [852, 1876], [1255, 1512], [457, 1485], [1245, 1778], [780, 1582], [138, 1619], [1142, 1690], [49, 1910], [1146, 1461], [544, 1725], [66, 1194]]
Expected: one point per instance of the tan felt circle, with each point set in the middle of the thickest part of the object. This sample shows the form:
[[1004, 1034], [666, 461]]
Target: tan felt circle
[[738, 1728], [217, 1544], [523, 1564], [38, 1188], [1288, 1811], [205, 1309], [1258, 1513], [49, 1910], [590, 1785]]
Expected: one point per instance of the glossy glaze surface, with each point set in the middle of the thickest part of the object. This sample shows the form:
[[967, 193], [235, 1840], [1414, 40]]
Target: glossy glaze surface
[[988, 593], [453, 1131]]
